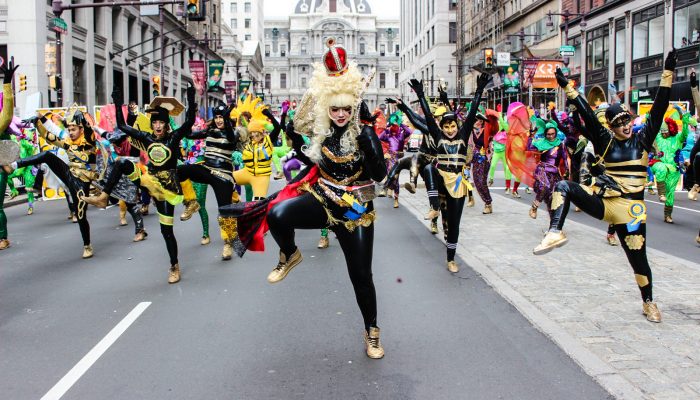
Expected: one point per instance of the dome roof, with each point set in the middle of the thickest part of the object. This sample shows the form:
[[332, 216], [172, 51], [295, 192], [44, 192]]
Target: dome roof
[[323, 6]]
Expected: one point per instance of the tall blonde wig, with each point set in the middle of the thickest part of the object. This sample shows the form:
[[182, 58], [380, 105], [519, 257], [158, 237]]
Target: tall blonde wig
[[334, 91]]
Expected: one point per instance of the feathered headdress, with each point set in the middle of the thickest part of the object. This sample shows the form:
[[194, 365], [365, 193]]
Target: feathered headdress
[[251, 104]]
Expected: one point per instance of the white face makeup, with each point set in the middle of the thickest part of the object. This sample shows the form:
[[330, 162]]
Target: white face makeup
[[340, 115], [450, 129]]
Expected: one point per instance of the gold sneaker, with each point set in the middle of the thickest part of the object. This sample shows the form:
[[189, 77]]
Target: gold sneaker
[[488, 209], [191, 207], [87, 251], [227, 253], [140, 236], [651, 310], [372, 344], [452, 267], [174, 274], [409, 186], [100, 201], [515, 194], [323, 243], [4, 243], [396, 203], [697, 239], [432, 214], [122, 218], [30, 210], [470, 203], [550, 241], [205, 240], [693, 192], [284, 266], [433, 227], [533, 212], [612, 241]]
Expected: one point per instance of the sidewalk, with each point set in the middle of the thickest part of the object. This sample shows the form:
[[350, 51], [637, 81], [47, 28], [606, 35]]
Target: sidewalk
[[584, 297]]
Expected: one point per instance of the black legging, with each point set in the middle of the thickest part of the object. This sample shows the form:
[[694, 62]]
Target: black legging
[[76, 187], [451, 210], [223, 189], [166, 211], [425, 169], [134, 210], [306, 212], [593, 205], [694, 165]]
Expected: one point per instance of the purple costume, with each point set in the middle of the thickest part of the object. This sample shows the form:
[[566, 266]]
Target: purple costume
[[481, 163], [395, 136], [547, 172]]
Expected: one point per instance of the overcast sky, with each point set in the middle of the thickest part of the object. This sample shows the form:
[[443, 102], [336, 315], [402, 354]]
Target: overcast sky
[[282, 8]]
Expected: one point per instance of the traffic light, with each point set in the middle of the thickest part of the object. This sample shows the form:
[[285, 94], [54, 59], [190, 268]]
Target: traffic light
[[195, 10], [488, 58], [22, 82], [156, 85]]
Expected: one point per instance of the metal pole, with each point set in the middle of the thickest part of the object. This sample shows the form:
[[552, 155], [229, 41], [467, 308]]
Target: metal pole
[[59, 75], [162, 49]]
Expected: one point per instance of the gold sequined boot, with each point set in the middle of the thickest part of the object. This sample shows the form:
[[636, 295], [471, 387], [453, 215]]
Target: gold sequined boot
[[284, 266], [372, 344], [651, 310], [174, 274]]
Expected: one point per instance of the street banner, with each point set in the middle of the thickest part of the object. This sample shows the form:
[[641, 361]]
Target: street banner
[[229, 90], [644, 106], [540, 74], [243, 87], [215, 69], [50, 58], [198, 77], [511, 78]]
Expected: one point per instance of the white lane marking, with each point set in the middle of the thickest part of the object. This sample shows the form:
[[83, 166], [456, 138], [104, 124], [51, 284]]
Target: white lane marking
[[648, 201], [91, 357], [675, 206]]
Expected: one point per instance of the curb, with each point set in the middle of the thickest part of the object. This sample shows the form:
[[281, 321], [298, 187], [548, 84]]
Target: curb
[[612, 381]]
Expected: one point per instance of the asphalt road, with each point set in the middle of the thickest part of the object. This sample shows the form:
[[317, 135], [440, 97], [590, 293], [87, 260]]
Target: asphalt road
[[677, 239], [223, 332]]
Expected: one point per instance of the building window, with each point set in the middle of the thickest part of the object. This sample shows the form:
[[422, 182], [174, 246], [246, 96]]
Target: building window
[[396, 80], [268, 81], [303, 82], [453, 4], [283, 80], [453, 32], [382, 50], [248, 36], [267, 50], [234, 23], [333, 6], [597, 48], [246, 8], [686, 26], [303, 48], [397, 50], [362, 48], [575, 61], [234, 7], [382, 80], [235, 38], [247, 23], [620, 45], [648, 32], [283, 50]]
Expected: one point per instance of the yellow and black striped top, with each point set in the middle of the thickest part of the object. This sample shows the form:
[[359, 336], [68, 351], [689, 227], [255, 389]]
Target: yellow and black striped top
[[257, 157]]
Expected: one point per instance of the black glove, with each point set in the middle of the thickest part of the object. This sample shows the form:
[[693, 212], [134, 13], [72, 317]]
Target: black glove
[[482, 81], [30, 121], [561, 79], [9, 73], [671, 60], [116, 137], [417, 86], [693, 80], [266, 112], [364, 143], [117, 97], [190, 94], [389, 100]]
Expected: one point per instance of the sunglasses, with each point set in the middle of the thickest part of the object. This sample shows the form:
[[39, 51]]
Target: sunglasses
[[621, 122]]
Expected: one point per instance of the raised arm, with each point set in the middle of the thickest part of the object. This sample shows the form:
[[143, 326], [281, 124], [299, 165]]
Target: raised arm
[[8, 100], [118, 100], [432, 127], [595, 132], [468, 126], [297, 144], [416, 120], [660, 106], [277, 126], [190, 116]]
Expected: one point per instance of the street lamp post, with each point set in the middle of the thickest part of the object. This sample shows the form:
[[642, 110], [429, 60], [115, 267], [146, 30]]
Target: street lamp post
[[566, 15]]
